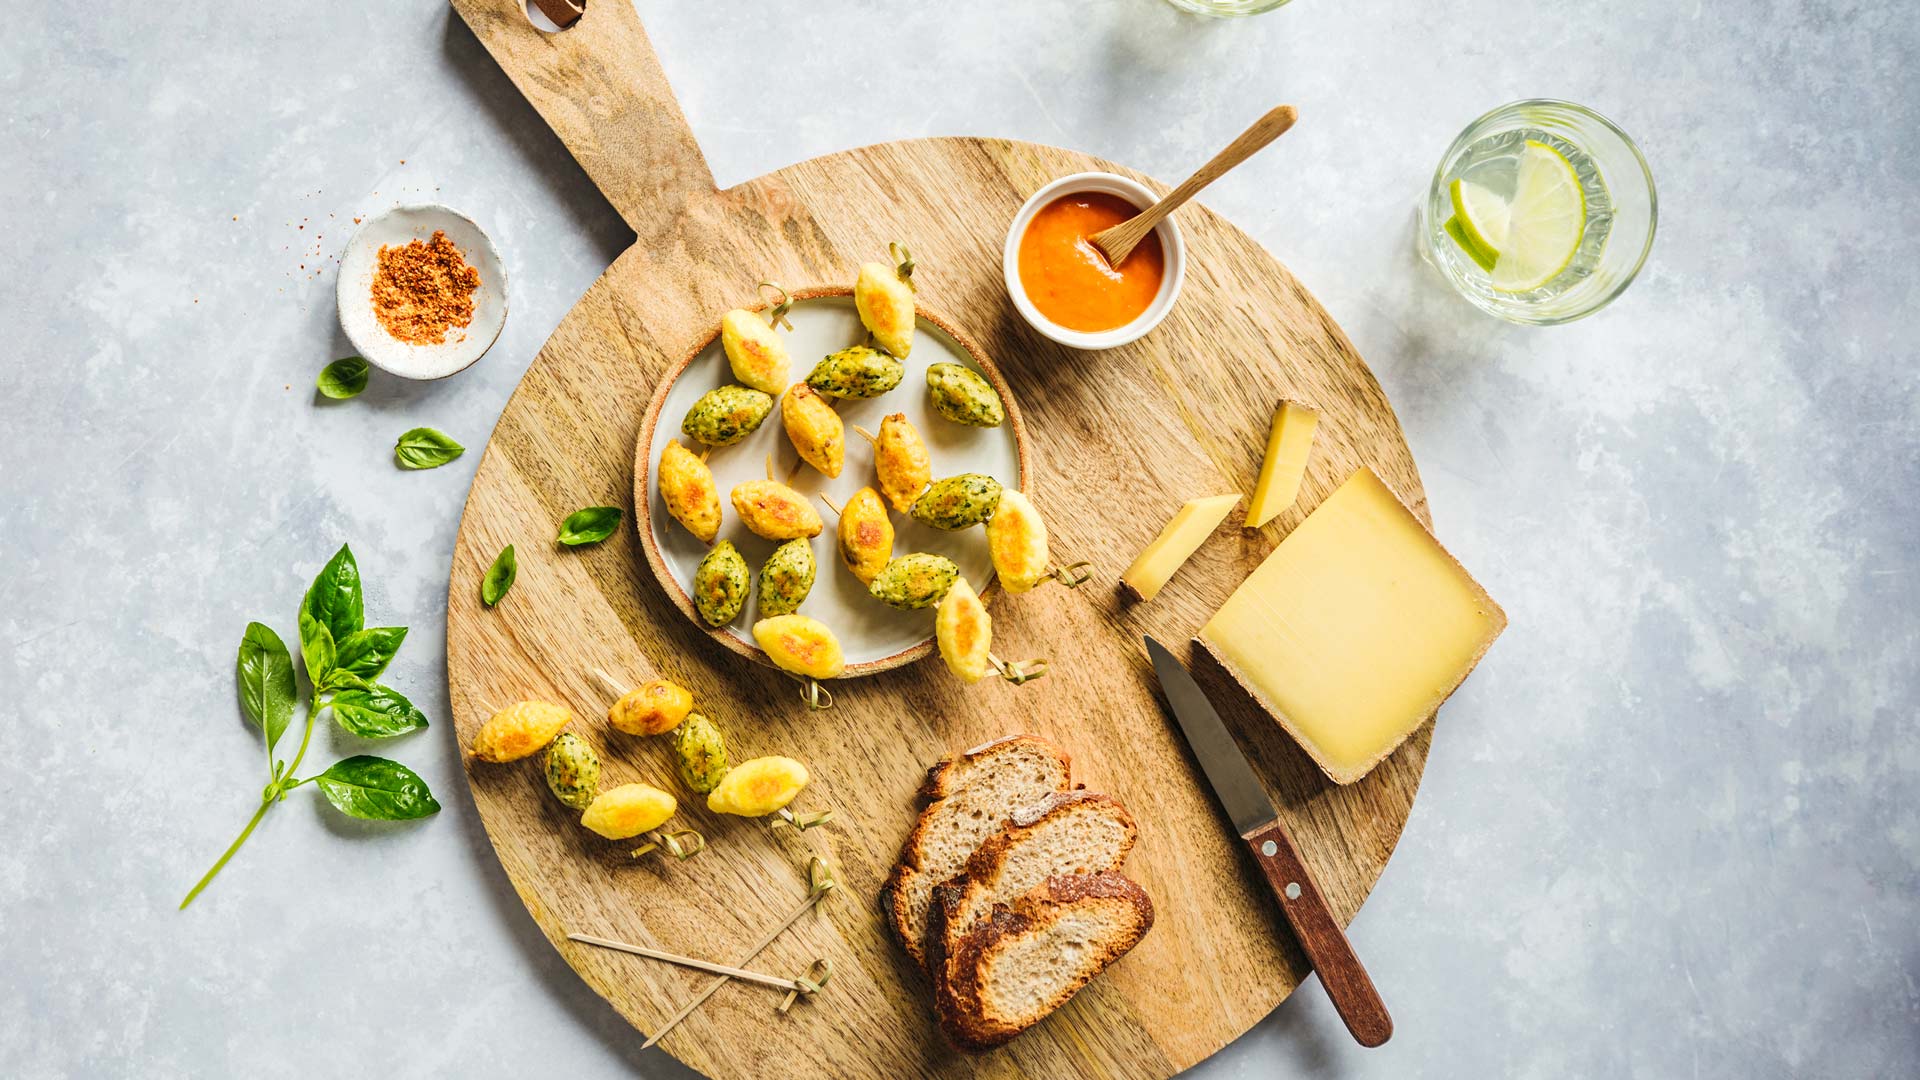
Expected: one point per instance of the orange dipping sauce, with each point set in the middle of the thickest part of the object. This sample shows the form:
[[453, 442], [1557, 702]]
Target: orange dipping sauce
[[1068, 279]]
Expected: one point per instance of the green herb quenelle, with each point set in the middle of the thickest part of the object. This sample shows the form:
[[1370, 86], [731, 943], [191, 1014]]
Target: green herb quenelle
[[856, 372], [720, 584], [958, 502], [787, 578], [962, 396], [726, 414], [573, 770], [344, 658], [915, 581], [702, 751]]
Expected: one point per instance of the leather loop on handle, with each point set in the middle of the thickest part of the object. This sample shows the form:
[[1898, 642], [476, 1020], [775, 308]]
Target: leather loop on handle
[[564, 13], [600, 87], [1321, 938]]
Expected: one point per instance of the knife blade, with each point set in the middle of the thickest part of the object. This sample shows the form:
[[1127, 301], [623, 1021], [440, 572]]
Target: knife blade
[[1232, 779], [1258, 822]]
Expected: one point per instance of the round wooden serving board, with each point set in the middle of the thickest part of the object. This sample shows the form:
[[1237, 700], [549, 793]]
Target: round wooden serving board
[[1118, 441]]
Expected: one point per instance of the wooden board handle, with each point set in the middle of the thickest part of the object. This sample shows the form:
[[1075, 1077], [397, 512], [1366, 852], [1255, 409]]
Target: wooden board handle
[[1325, 944], [599, 85]]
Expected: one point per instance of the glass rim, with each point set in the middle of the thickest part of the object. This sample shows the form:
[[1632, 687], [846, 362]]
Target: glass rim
[[1646, 173]]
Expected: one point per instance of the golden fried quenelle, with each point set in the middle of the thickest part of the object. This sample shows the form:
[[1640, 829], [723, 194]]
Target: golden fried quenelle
[[687, 487], [801, 645], [624, 812], [759, 787], [816, 430], [901, 462], [655, 707], [1017, 541], [885, 301], [775, 511], [757, 355], [519, 730], [965, 632], [866, 535]]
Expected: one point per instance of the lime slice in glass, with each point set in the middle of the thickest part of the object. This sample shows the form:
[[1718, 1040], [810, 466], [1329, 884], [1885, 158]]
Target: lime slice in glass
[[1545, 221], [1467, 244], [1483, 217]]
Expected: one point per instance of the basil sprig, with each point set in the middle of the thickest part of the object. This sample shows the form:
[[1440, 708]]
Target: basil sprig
[[589, 526], [343, 378], [425, 448], [493, 587], [343, 658]]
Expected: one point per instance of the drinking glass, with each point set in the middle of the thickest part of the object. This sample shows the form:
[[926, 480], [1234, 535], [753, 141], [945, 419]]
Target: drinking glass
[[1620, 207]]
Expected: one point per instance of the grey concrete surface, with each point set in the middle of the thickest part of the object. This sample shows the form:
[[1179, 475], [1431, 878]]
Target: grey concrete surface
[[1671, 828]]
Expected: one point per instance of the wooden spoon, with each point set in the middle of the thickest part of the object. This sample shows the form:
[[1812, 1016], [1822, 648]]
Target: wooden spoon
[[1118, 242]]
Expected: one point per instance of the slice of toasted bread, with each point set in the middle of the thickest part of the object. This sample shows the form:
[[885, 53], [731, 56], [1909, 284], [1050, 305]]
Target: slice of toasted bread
[[1029, 957], [1069, 832], [970, 796]]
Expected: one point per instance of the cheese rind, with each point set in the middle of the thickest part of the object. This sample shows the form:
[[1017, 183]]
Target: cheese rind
[[1355, 628], [1190, 527], [1286, 462]]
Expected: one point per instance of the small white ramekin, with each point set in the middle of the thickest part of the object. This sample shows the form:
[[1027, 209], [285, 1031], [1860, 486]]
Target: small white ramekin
[[354, 292], [1171, 245]]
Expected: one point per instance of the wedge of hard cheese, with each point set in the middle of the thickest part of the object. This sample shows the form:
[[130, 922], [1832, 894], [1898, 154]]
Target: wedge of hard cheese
[[1190, 527], [1355, 628], [1286, 462]]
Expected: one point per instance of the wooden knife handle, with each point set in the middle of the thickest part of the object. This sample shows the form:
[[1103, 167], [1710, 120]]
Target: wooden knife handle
[[1320, 936]]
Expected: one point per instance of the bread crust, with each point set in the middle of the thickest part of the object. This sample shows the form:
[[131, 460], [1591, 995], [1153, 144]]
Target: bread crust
[[969, 1026], [961, 894], [943, 781], [943, 774]]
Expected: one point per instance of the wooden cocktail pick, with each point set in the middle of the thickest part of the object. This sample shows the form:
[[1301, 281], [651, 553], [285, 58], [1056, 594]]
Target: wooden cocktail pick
[[816, 976], [1118, 242], [819, 883]]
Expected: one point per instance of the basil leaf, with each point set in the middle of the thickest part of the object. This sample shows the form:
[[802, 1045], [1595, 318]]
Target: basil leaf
[[265, 672], [344, 680], [589, 526], [334, 599], [499, 577], [343, 379], [316, 648], [367, 652], [379, 712], [375, 789], [425, 448]]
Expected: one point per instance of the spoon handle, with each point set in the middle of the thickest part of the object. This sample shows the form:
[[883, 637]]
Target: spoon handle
[[1263, 131]]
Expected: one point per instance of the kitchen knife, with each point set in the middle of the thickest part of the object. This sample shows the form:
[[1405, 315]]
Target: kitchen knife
[[1258, 823]]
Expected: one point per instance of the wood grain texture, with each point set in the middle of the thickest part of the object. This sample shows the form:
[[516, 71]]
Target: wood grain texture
[[1117, 441]]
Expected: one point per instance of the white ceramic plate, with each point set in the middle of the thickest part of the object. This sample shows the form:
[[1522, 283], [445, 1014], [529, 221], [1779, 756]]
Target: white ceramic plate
[[874, 636], [354, 293]]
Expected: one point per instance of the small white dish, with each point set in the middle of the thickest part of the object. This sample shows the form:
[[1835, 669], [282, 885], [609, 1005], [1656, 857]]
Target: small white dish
[[1171, 244], [354, 292]]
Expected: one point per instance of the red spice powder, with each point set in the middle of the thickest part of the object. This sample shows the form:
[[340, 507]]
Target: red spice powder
[[420, 291]]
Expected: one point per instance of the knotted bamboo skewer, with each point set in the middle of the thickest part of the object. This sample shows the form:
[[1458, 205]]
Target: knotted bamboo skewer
[[804, 984], [819, 883]]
